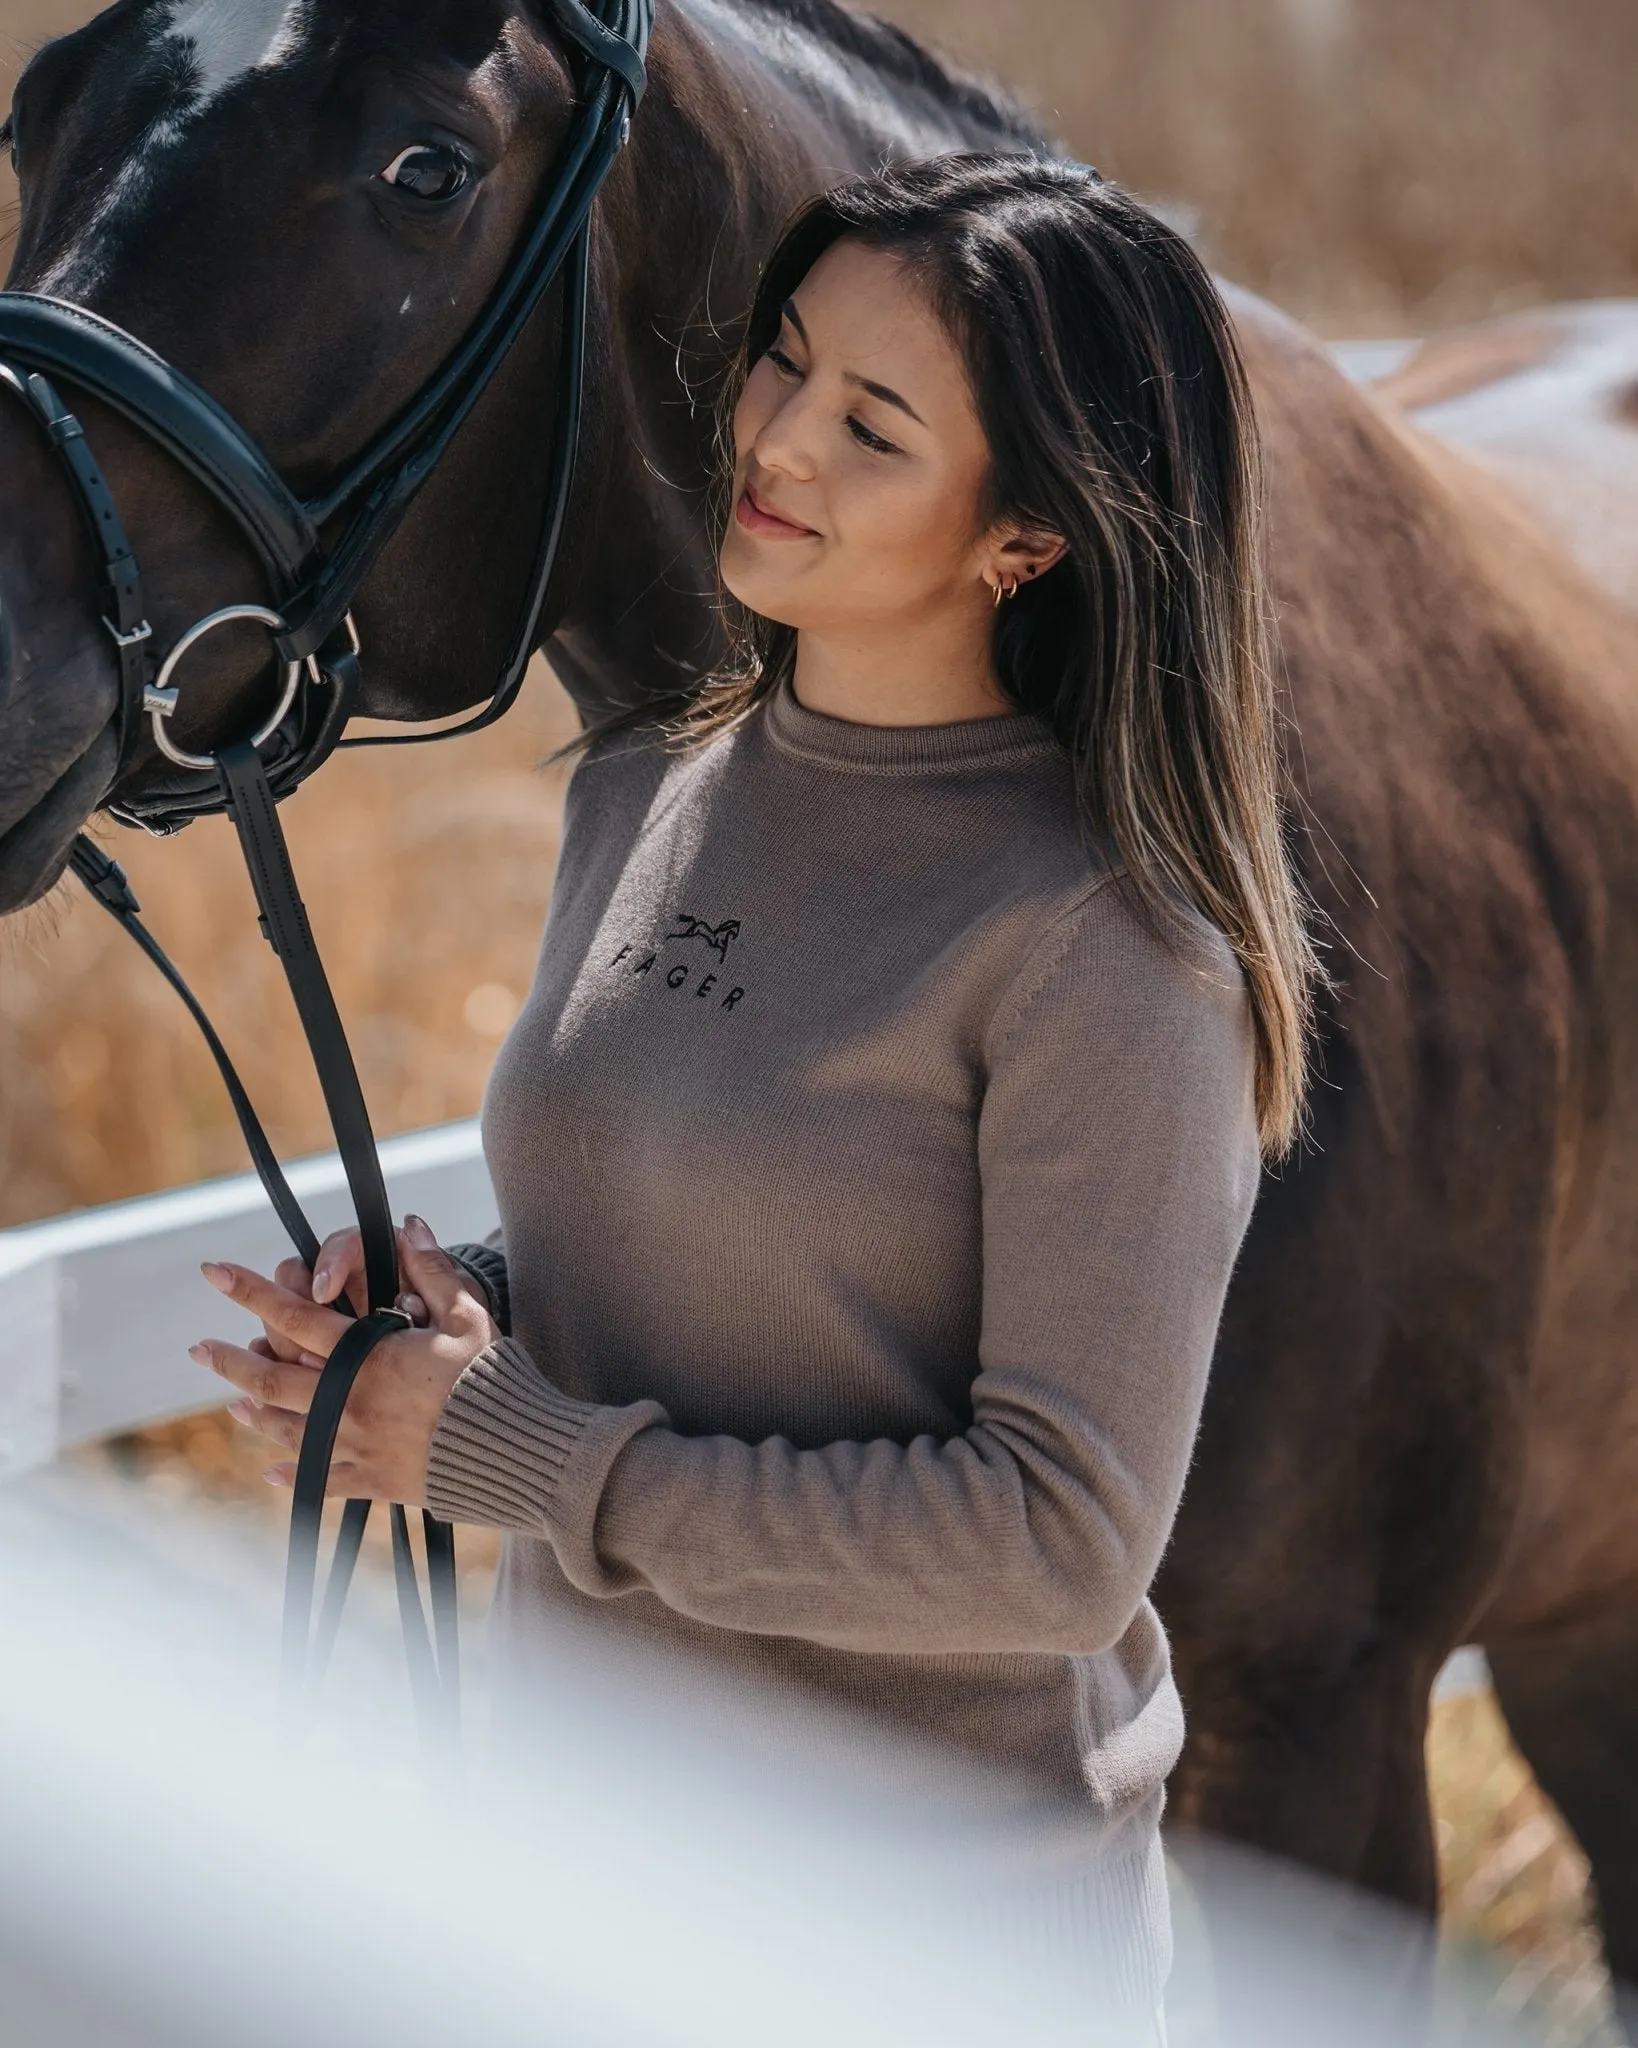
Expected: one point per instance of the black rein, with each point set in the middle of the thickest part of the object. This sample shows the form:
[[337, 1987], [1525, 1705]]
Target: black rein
[[312, 585]]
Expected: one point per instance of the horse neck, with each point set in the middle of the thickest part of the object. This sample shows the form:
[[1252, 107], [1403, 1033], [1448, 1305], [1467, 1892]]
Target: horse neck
[[760, 108]]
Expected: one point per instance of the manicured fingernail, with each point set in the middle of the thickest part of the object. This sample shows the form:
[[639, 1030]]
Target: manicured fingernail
[[413, 1306], [419, 1234], [200, 1352], [240, 1411], [275, 1477], [312, 1360], [321, 1283], [218, 1276]]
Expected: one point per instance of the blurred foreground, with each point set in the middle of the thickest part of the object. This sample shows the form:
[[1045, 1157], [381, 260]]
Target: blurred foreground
[[658, 1864], [1517, 1929]]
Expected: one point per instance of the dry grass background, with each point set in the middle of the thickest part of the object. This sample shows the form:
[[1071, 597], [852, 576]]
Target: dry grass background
[[1375, 166], [1372, 165], [427, 888]]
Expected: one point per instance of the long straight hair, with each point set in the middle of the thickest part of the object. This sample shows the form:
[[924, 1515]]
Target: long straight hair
[[1110, 387]]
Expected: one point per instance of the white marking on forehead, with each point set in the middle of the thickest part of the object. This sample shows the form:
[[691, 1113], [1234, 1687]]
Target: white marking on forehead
[[231, 38], [227, 40]]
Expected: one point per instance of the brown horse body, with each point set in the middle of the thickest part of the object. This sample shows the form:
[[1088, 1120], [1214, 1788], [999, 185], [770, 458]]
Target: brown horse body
[[1423, 1424], [1423, 1427]]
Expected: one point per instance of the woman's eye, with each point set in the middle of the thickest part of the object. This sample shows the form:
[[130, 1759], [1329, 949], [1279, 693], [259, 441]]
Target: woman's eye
[[862, 434], [428, 170], [782, 362]]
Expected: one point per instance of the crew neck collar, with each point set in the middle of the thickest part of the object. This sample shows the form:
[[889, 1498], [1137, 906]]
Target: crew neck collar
[[1005, 737]]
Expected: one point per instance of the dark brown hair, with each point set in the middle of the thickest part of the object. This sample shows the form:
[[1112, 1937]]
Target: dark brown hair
[[1109, 384]]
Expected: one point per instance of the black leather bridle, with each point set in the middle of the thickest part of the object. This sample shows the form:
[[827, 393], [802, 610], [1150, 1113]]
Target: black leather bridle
[[315, 554]]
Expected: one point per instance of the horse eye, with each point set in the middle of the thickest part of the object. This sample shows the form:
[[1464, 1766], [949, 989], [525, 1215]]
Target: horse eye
[[428, 170]]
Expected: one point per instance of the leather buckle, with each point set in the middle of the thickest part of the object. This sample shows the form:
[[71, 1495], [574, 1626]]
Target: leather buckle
[[139, 632]]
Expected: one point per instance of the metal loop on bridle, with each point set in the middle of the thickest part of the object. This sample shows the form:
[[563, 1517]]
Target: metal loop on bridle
[[160, 698]]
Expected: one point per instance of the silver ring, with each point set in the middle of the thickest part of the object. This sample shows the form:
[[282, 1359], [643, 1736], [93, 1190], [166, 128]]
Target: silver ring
[[159, 698]]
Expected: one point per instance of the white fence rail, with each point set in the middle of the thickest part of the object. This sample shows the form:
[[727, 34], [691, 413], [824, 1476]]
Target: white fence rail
[[97, 1309]]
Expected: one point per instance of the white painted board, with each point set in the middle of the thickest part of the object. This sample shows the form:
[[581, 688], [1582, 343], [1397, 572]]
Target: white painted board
[[97, 1309]]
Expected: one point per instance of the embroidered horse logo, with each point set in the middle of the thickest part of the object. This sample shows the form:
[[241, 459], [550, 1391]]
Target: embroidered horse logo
[[717, 936]]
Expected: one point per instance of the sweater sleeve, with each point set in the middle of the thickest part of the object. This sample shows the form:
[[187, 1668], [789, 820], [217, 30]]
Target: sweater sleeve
[[1118, 1161], [486, 1264]]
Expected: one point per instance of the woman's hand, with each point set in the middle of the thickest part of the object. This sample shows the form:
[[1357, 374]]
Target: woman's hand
[[395, 1403]]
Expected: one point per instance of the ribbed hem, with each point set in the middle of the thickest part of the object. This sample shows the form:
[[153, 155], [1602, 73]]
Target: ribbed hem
[[512, 1452], [487, 1265], [502, 1446], [1009, 736]]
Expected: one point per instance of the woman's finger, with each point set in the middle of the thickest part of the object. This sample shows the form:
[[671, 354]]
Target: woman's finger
[[293, 1275], [340, 1261], [271, 1383], [432, 1273], [346, 1482], [283, 1313], [283, 1425]]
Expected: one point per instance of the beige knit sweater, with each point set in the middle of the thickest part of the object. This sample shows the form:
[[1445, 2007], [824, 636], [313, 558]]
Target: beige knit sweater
[[870, 1176]]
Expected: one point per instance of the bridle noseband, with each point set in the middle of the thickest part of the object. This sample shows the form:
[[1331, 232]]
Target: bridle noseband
[[313, 582]]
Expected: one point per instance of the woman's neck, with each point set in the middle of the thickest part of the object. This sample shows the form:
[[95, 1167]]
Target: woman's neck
[[928, 678]]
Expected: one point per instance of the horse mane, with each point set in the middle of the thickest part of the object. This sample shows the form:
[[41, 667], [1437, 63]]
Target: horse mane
[[893, 54]]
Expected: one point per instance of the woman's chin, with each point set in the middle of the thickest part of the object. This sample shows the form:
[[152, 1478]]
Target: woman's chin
[[768, 596]]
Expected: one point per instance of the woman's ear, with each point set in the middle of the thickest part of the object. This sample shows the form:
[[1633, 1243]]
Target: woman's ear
[[1018, 555]]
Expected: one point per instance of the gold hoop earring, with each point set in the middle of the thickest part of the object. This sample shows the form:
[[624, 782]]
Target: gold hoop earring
[[999, 593]]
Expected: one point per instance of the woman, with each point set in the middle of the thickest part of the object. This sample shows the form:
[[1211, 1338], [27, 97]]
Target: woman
[[876, 1142]]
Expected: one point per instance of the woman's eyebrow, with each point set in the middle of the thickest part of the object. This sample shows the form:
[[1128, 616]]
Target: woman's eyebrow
[[884, 392]]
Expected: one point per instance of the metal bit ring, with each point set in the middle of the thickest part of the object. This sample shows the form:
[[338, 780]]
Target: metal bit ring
[[160, 697]]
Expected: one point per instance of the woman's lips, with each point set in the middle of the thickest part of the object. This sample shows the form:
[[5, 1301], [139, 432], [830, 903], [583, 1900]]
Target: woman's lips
[[758, 517]]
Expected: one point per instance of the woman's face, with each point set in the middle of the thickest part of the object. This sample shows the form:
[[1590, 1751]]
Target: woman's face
[[859, 460]]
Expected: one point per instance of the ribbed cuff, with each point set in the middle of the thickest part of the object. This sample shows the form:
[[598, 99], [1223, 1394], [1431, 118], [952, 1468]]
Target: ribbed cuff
[[486, 1263], [512, 1452]]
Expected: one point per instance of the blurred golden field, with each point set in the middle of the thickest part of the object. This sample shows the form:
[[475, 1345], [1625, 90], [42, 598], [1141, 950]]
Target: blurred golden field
[[426, 872], [1375, 166]]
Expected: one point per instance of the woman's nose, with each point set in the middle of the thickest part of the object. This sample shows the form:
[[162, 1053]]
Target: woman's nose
[[786, 442]]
